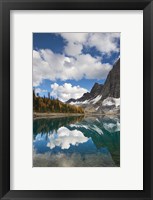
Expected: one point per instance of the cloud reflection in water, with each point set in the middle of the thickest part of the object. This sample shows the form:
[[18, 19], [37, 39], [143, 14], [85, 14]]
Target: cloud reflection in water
[[65, 137]]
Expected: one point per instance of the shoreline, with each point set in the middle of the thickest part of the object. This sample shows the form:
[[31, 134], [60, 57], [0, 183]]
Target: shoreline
[[55, 115], [60, 115]]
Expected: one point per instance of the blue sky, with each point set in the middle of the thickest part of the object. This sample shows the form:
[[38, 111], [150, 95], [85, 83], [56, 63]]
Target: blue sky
[[68, 64]]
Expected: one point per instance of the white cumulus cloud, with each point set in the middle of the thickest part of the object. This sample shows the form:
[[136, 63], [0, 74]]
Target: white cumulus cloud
[[73, 49], [39, 90], [103, 42], [66, 91], [75, 37], [73, 64], [48, 65]]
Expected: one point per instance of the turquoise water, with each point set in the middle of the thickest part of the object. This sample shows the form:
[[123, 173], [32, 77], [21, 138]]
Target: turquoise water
[[76, 142]]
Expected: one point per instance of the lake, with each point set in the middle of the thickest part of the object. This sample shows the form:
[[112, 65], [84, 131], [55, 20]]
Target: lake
[[76, 141]]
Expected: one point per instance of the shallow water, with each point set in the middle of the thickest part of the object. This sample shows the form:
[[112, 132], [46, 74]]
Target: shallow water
[[77, 142]]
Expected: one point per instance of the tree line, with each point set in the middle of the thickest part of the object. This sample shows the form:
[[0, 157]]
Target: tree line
[[44, 104]]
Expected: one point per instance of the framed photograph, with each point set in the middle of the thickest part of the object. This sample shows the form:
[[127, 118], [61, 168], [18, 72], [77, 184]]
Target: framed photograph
[[76, 99]]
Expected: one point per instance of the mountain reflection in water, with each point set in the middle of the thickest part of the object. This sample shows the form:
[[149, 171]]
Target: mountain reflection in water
[[77, 142]]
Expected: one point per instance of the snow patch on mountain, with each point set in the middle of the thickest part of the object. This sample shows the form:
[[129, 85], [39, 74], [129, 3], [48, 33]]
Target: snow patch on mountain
[[110, 101], [90, 101], [95, 100], [80, 102]]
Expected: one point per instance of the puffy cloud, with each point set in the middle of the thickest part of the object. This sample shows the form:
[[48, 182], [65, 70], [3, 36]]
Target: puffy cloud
[[73, 49], [91, 68], [66, 91], [39, 90], [48, 65], [65, 137], [41, 68], [104, 42], [75, 37], [75, 42], [76, 65]]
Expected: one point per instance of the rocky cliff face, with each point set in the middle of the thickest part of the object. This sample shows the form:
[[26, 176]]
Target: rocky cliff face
[[112, 84], [103, 98], [96, 89]]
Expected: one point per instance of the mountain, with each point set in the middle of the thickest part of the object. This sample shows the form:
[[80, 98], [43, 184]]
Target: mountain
[[103, 98], [95, 91], [112, 84]]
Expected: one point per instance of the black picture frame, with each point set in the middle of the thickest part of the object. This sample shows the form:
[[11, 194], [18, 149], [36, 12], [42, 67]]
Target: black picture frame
[[5, 7]]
